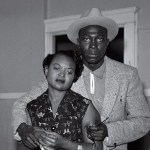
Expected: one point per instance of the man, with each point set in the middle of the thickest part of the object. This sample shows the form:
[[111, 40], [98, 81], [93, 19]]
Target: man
[[114, 88]]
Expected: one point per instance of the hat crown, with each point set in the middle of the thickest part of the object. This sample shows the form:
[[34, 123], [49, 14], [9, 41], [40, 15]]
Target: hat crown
[[92, 16], [92, 13]]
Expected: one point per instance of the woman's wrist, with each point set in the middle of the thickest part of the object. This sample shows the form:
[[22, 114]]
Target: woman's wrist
[[62, 143], [93, 146], [79, 147], [86, 146], [69, 145]]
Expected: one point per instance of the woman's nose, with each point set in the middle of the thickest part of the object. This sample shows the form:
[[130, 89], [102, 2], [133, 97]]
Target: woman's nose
[[62, 73]]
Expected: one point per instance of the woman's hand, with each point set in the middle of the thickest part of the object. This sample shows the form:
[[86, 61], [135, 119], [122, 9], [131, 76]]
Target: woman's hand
[[51, 139], [38, 131]]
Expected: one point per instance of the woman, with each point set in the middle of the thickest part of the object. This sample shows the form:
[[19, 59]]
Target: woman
[[61, 115]]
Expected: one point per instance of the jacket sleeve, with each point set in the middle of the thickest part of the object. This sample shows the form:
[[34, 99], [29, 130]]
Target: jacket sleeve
[[19, 107], [137, 123]]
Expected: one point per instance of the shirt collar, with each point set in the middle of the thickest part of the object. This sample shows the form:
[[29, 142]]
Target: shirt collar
[[98, 73]]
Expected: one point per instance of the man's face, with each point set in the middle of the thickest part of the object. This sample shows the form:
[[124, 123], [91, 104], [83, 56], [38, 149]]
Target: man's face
[[93, 43]]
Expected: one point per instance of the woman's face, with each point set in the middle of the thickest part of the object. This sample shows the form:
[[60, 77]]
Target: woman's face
[[61, 73]]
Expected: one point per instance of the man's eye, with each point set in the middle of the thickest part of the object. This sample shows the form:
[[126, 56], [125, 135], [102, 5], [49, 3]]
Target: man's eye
[[86, 39], [99, 40]]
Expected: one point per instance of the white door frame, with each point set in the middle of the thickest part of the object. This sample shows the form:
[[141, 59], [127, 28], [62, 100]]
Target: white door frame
[[126, 18]]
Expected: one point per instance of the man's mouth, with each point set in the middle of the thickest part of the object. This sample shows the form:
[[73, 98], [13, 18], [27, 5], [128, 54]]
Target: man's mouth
[[92, 55]]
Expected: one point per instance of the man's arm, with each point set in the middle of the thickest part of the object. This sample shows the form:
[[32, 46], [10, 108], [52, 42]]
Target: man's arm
[[19, 107], [137, 123]]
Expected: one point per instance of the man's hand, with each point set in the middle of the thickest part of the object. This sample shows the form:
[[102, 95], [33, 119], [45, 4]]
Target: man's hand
[[26, 132], [98, 132]]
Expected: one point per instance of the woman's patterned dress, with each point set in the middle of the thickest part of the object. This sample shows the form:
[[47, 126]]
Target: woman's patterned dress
[[68, 118]]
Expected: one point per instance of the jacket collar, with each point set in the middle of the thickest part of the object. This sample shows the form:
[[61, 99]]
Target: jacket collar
[[111, 89]]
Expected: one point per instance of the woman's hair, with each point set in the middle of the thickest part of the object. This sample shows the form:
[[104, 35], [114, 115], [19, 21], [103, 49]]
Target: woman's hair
[[74, 55]]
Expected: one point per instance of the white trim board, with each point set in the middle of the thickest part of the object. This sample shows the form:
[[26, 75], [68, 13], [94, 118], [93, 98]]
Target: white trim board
[[10, 95], [147, 92], [18, 95]]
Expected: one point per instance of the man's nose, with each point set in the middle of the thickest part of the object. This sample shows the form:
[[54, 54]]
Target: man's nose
[[93, 44]]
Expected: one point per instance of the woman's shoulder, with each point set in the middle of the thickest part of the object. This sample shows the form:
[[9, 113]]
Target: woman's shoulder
[[38, 100]]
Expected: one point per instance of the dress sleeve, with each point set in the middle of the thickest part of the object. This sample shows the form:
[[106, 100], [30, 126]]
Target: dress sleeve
[[19, 107]]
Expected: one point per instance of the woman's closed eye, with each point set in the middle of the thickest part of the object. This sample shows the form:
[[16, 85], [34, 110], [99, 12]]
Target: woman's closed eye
[[56, 67], [70, 71]]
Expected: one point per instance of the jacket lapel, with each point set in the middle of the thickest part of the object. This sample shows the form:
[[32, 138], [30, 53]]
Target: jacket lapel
[[79, 87], [111, 89]]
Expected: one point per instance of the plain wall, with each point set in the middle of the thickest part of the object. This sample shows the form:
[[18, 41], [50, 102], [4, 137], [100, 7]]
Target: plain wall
[[21, 55], [22, 46]]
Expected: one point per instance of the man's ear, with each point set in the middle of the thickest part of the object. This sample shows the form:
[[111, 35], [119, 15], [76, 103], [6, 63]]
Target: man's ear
[[78, 44], [107, 41]]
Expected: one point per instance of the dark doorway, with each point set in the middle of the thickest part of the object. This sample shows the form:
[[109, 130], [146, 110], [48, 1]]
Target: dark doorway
[[115, 48]]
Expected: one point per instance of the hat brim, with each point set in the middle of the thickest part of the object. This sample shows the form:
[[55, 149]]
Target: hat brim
[[109, 24]]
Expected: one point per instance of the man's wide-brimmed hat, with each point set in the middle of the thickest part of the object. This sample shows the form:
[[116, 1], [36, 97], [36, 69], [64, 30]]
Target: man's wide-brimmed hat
[[92, 17]]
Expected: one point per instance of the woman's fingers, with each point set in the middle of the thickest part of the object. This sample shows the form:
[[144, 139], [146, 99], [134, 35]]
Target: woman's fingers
[[48, 148], [48, 139], [30, 142]]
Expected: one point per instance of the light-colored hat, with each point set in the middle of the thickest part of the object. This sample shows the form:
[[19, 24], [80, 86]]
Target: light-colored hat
[[92, 17]]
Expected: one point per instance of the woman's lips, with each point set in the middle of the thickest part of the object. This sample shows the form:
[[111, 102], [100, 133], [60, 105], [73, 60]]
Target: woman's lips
[[60, 81]]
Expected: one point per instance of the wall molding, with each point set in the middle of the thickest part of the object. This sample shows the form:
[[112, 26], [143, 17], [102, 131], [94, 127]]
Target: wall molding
[[10, 95], [18, 95], [147, 92]]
